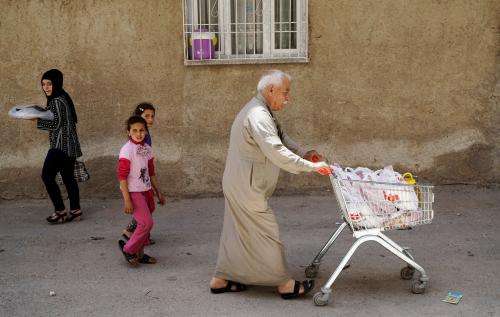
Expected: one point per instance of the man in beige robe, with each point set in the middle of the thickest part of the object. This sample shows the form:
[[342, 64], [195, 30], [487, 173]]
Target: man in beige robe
[[250, 250]]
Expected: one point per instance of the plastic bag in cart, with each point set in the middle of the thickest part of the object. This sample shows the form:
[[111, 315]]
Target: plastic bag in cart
[[362, 172], [359, 212], [403, 219], [376, 199], [402, 197]]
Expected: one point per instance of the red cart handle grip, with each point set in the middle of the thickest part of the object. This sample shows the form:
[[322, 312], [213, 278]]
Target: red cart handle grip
[[325, 171]]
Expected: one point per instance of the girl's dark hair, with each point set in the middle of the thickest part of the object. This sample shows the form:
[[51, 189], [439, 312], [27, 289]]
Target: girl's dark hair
[[143, 106], [135, 119]]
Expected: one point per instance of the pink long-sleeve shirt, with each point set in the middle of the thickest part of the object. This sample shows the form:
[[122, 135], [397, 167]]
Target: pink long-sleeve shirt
[[136, 166]]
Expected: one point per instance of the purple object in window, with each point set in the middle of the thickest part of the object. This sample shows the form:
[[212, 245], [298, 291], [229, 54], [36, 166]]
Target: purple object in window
[[202, 44]]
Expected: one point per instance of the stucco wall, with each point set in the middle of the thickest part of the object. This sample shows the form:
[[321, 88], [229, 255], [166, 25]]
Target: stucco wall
[[409, 83]]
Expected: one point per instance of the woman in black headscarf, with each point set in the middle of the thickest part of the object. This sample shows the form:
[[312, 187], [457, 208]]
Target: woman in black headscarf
[[64, 148]]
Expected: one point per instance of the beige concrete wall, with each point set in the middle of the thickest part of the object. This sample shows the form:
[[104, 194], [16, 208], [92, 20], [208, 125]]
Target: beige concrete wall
[[409, 83]]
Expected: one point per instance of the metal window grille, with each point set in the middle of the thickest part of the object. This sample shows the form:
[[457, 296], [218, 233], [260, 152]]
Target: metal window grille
[[245, 31]]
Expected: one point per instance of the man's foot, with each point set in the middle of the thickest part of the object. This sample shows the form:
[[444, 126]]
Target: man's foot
[[287, 291], [218, 286]]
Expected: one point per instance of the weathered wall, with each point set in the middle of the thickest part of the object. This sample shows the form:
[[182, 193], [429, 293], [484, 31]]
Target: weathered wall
[[409, 83]]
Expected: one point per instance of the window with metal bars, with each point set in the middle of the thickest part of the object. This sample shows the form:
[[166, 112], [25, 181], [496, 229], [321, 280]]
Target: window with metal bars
[[245, 31]]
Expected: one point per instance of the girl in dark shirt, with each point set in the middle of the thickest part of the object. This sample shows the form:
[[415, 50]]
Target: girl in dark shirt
[[64, 148]]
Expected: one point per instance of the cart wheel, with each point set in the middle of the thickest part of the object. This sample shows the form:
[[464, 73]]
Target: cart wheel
[[321, 299], [312, 271], [407, 272], [417, 286]]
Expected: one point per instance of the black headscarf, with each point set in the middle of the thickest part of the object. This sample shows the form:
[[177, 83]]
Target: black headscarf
[[56, 77]]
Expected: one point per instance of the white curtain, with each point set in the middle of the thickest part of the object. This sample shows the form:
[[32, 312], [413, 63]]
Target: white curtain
[[246, 27], [202, 14], [285, 24]]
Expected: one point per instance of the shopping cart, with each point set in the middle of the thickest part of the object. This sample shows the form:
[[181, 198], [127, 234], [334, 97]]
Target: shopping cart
[[368, 209]]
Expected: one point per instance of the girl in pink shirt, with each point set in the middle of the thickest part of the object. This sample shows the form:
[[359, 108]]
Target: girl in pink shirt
[[137, 182], [148, 112]]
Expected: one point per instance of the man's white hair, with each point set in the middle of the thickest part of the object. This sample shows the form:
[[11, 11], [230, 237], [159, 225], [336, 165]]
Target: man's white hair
[[272, 77]]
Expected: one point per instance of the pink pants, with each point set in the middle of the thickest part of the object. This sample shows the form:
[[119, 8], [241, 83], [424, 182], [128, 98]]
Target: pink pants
[[143, 203]]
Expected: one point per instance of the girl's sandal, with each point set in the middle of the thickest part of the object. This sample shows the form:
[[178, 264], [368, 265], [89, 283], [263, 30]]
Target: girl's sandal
[[57, 217], [130, 258], [146, 259], [74, 215]]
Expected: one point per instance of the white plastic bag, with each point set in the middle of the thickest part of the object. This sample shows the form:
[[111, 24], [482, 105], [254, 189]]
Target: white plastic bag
[[376, 199], [403, 197], [374, 194], [359, 212], [362, 172], [391, 192], [30, 111]]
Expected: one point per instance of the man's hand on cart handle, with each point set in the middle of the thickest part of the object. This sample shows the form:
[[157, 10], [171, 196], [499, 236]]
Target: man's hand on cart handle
[[316, 158], [313, 156]]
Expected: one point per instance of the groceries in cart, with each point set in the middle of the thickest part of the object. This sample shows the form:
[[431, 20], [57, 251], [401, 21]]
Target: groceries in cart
[[372, 202], [378, 199]]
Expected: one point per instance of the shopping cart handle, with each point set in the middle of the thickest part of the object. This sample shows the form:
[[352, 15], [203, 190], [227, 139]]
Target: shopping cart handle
[[324, 171]]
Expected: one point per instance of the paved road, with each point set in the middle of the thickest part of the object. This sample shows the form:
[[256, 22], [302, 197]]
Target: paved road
[[460, 251]]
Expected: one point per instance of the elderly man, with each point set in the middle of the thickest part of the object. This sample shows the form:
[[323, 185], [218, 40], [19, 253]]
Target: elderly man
[[250, 251]]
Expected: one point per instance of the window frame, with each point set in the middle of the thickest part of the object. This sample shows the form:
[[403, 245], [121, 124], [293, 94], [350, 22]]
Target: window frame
[[270, 54]]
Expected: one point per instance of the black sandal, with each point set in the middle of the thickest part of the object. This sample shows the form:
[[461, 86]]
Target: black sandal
[[308, 286], [130, 258], [146, 259], [57, 217], [74, 215], [229, 288]]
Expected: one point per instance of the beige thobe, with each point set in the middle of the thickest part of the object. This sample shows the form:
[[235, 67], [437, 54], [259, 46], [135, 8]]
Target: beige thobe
[[250, 251]]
